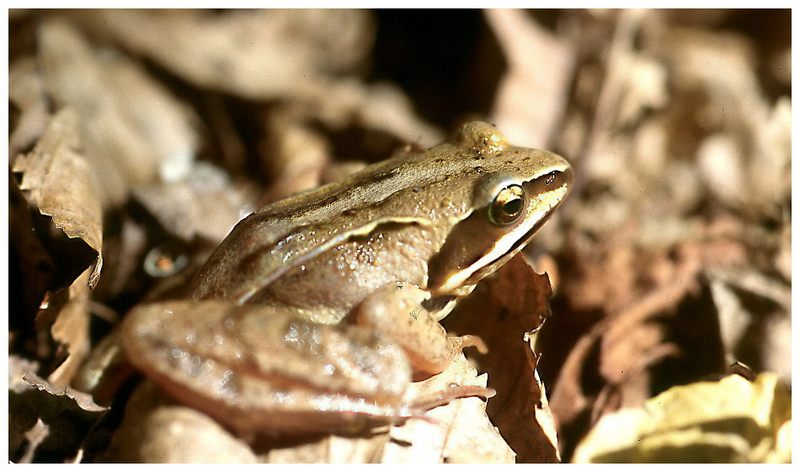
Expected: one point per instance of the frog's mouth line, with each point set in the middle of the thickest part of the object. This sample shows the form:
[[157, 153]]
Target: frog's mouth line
[[505, 248]]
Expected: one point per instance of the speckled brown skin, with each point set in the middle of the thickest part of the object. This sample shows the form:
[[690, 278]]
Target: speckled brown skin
[[427, 221], [322, 252]]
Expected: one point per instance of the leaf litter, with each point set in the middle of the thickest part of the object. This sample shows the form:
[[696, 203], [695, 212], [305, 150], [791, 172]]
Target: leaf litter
[[141, 136]]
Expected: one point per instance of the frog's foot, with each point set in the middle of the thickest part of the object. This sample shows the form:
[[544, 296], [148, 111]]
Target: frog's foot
[[436, 361], [469, 340], [398, 312], [453, 392]]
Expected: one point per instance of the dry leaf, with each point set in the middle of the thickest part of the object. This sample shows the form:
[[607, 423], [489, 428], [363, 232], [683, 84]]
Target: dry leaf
[[204, 202], [736, 104], [503, 310], [669, 324], [380, 106], [156, 430], [673, 251], [67, 414], [294, 154], [531, 96], [73, 398], [59, 181], [460, 431], [457, 432], [267, 54], [133, 130], [26, 92], [757, 334], [31, 267], [259, 54], [71, 328], [732, 420]]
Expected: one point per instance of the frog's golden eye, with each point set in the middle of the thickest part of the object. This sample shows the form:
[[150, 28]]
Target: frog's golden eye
[[507, 205]]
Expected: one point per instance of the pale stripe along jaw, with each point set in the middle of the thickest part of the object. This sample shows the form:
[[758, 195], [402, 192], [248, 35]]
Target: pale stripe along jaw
[[477, 245]]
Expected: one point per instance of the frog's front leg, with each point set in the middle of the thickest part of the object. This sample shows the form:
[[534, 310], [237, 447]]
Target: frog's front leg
[[397, 311]]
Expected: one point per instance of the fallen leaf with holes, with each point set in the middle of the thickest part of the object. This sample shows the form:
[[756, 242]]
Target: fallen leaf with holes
[[732, 420], [455, 433], [460, 431]]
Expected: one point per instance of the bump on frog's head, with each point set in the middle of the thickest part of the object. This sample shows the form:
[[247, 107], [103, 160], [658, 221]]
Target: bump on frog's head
[[508, 209], [481, 137]]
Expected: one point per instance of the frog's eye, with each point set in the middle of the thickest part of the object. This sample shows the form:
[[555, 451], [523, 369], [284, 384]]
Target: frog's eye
[[507, 205]]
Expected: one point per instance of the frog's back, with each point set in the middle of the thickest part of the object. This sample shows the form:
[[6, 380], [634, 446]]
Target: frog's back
[[284, 234], [411, 188]]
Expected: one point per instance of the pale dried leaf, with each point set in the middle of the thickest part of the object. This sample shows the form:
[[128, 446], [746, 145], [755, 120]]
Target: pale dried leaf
[[720, 164], [770, 349], [533, 92], [783, 258], [734, 320], [264, 55], [777, 348], [60, 182], [459, 432], [770, 165], [17, 368], [156, 430], [133, 130], [204, 202], [646, 83], [330, 449], [154, 115], [732, 420], [293, 152], [695, 56], [259, 54], [754, 150], [71, 330], [381, 106], [26, 91], [35, 436], [81, 400]]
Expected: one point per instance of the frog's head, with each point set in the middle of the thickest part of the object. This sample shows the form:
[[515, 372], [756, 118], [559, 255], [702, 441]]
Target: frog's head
[[514, 191]]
